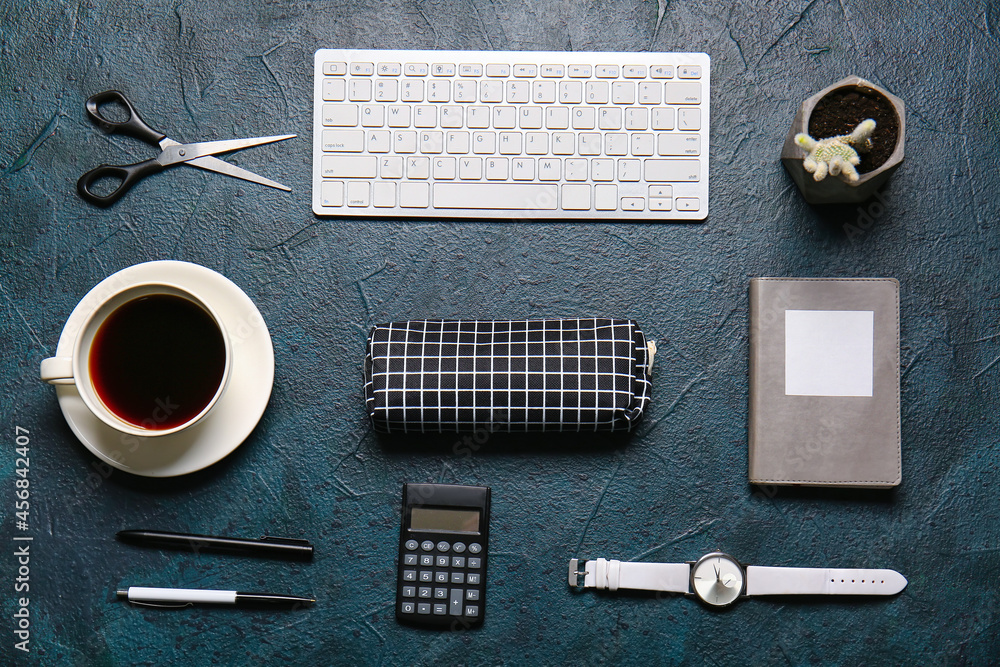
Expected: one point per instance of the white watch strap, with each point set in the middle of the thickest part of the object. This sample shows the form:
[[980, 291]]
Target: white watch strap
[[611, 575], [822, 581]]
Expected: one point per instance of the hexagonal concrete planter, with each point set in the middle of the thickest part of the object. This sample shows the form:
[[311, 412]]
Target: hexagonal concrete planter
[[832, 190]]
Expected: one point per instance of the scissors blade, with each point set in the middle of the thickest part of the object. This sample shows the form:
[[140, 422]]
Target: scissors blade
[[186, 152], [210, 163]]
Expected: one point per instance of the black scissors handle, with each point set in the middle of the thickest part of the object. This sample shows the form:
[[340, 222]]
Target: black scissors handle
[[128, 174], [133, 126]]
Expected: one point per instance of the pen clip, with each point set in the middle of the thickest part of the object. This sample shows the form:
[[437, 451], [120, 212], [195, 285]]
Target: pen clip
[[285, 540], [161, 605]]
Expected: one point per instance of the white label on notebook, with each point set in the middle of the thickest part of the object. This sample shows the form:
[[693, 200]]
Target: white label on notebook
[[829, 352]]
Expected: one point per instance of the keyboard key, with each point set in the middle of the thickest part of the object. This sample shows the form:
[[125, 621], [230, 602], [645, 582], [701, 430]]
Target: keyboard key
[[412, 91], [661, 71], [415, 69], [678, 171], [623, 92], [660, 204], [470, 69], [499, 196], [423, 608], [332, 193], [575, 198], [424, 576], [343, 141], [455, 602], [441, 577], [689, 72], [689, 119], [408, 608], [498, 70], [525, 71], [458, 577], [424, 592], [386, 90], [471, 611], [440, 609], [334, 69], [391, 167], [334, 90], [359, 90], [663, 119], [556, 118], [362, 69], [440, 593], [409, 591], [442, 561], [340, 115], [518, 92], [472, 594], [682, 93], [383, 194], [475, 563], [633, 204], [409, 575], [597, 92], [606, 197], [473, 579], [571, 92], [687, 203], [553, 71], [443, 69], [457, 561], [543, 92], [649, 93], [607, 72], [678, 144], [634, 72], [344, 166], [580, 71], [414, 195], [389, 69]]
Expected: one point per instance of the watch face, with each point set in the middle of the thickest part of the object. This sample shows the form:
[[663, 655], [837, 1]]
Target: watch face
[[717, 579]]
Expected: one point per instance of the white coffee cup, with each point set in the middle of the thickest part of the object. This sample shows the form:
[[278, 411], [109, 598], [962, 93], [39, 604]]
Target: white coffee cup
[[76, 368]]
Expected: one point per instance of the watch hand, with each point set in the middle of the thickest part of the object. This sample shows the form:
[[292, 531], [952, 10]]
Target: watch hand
[[717, 576]]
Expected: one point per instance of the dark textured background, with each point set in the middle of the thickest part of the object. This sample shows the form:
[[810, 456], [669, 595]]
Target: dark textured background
[[672, 491]]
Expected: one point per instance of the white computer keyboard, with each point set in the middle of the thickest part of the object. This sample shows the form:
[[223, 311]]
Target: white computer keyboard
[[511, 134]]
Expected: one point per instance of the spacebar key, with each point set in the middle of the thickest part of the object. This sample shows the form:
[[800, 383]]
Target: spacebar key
[[501, 196]]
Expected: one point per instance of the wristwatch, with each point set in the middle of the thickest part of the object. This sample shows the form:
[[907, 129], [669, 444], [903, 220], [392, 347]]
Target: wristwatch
[[718, 579]]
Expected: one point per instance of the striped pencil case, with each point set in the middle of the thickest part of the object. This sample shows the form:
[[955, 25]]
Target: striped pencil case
[[440, 376]]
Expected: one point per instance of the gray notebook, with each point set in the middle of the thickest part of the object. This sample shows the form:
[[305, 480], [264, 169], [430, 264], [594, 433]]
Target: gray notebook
[[824, 382]]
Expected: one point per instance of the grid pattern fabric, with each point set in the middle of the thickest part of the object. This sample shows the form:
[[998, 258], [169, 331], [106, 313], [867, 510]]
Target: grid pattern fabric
[[435, 376]]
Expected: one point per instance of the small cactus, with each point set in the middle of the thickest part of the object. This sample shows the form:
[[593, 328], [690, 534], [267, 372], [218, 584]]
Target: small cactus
[[836, 155]]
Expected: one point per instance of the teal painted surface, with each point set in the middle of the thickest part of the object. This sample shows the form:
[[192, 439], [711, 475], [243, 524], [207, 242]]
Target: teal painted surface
[[672, 491]]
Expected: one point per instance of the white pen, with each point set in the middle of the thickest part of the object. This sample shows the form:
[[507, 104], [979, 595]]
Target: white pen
[[183, 597]]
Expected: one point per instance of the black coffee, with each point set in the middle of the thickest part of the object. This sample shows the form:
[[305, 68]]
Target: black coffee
[[157, 361]]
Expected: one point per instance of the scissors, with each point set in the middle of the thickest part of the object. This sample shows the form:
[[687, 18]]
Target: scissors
[[172, 153]]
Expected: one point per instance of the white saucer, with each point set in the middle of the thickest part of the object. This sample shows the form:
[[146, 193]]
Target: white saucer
[[234, 416]]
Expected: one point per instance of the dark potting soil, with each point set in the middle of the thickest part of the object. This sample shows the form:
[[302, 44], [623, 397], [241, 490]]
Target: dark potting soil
[[840, 112]]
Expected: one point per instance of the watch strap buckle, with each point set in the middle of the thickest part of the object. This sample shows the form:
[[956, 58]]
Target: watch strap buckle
[[577, 569]]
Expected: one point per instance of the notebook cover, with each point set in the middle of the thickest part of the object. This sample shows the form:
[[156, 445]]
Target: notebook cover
[[824, 382]]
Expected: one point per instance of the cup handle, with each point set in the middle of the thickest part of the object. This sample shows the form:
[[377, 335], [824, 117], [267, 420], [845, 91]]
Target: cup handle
[[57, 370]]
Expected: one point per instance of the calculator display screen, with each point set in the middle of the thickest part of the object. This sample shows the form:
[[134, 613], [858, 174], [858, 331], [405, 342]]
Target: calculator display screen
[[451, 521]]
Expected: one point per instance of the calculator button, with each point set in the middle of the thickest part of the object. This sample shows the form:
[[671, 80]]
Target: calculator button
[[472, 594], [458, 577], [427, 560], [442, 561], [475, 563], [440, 609], [423, 608], [409, 591], [426, 575], [407, 607], [475, 548], [409, 575], [424, 592], [411, 545], [472, 610], [441, 577], [427, 545], [457, 561], [443, 546], [440, 593], [409, 559], [472, 579], [458, 547], [455, 602]]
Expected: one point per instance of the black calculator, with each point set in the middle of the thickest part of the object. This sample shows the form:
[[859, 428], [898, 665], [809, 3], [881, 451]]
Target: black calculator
[[443, 545]]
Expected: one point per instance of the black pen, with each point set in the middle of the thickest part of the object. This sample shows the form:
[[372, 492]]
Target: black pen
[[183, 597], [266, 547]]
